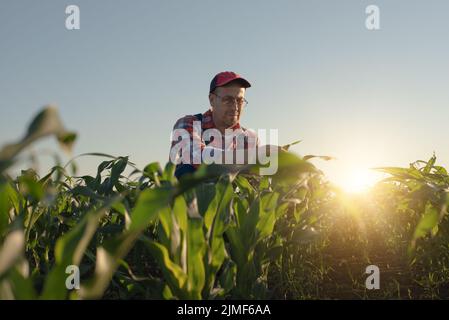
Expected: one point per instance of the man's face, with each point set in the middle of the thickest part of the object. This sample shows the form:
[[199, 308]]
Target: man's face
[[226, 110]]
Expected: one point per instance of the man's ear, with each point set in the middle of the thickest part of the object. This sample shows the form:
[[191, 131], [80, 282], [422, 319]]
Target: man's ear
[[211, 99]]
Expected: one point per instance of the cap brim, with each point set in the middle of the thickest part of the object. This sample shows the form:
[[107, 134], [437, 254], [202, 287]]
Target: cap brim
[[242, 81], [245, 82]]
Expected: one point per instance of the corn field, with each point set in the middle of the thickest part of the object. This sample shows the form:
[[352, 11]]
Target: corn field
[[221, 233]]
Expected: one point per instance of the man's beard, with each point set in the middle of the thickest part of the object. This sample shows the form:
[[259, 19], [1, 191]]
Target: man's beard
[[232, 120]]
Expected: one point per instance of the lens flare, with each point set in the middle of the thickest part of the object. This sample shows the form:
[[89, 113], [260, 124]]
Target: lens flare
[[359, 180]]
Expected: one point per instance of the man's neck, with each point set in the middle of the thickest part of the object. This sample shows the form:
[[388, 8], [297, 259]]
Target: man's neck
[[220, 127]]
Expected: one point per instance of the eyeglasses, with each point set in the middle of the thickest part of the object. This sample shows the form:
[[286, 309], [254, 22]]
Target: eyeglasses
[[228, 100]]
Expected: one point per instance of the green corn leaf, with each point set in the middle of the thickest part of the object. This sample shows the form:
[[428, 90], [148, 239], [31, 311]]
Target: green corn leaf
[[21, 286], [287, 146], [430, 164], [238, 252], [47, 122], [6, 192], [11, 251], [175, 277], [116, 170], [70, 249], [148, 205], [267, 214], [428, 221], [196, 249], [402, 173], [227, 277]]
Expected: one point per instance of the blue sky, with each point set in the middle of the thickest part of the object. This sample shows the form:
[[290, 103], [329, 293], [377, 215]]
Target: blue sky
[[368, 98]]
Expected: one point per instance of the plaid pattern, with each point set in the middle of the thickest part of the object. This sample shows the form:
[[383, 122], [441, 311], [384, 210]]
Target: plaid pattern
[[187, 123]]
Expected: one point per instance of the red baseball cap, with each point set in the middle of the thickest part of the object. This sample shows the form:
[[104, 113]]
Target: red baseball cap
[[225, 77]]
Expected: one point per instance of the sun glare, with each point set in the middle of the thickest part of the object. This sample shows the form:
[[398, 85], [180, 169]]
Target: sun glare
[[359, 180]]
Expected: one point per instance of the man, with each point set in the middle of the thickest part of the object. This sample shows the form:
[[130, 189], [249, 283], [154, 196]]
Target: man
[[227, 102]]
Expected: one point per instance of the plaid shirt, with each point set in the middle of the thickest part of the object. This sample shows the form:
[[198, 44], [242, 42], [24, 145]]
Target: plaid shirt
[[207, 122]]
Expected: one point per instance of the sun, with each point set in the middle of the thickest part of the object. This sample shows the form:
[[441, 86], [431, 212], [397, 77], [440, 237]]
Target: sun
[[359, 180]]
